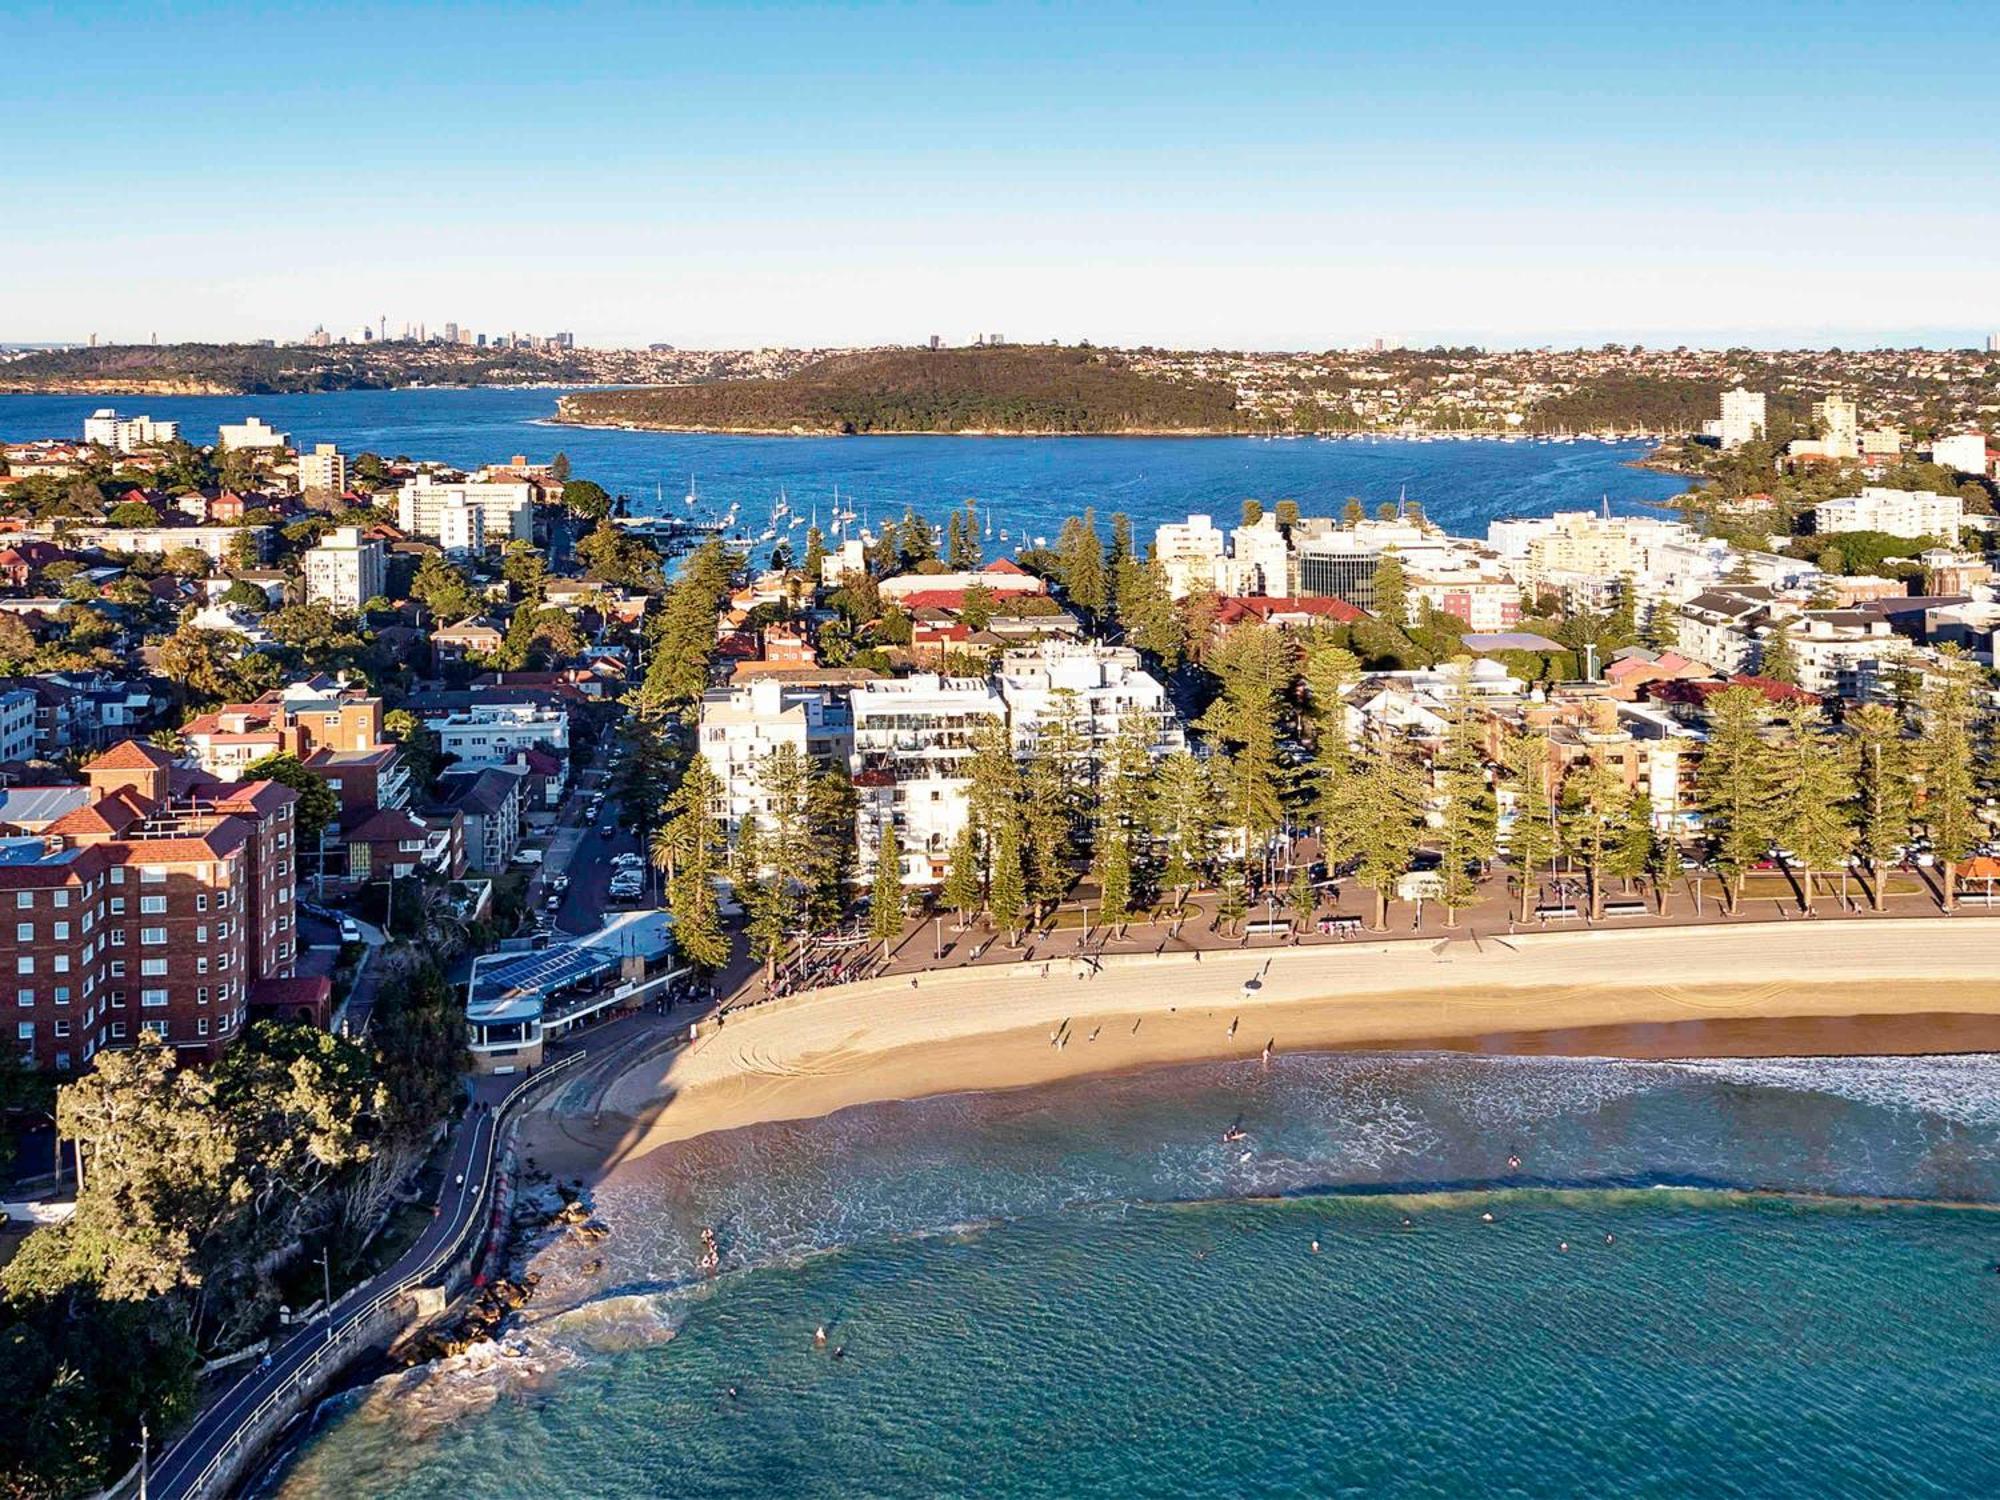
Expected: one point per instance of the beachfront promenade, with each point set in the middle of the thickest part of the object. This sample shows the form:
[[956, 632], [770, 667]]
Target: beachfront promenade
[[1014, 1022]]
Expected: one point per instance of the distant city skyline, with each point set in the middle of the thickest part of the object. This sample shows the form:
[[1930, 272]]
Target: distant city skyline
[[1194, 175]]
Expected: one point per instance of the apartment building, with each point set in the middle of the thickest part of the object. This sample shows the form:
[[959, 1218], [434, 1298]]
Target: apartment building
[[127, 434], [1962, 453], [437, 510], [346, 569], [217, 542], [496, 734], [1904, 513], [323, 470], [1742, 417], [333, 729], [160, 904], [252, 433], [913, 738], [742, 726], [1090, 687], [20, 715], [489, 802]]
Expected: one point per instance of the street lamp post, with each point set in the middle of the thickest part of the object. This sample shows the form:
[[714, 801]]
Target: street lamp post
[[326, 1275]]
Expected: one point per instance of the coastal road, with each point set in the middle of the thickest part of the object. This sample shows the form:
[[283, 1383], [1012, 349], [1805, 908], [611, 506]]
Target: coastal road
[[178, 1470]]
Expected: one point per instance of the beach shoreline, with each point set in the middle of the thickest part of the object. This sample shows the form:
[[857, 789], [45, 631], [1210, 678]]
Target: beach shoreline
[[1781, 989]]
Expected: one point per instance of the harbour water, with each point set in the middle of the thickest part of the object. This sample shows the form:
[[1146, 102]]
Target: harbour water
[[1028, 484], [1768, 1278]]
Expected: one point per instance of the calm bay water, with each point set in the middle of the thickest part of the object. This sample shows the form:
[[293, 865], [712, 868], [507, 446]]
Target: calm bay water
[[1083, 1290], [1029, 484]]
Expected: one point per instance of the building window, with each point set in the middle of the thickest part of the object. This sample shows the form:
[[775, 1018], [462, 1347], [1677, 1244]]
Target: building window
[[24, 996], [201, 901], [118, 1031], [24, 932], [152, 906], [152, 999], [117, 937], [152, 874], [62, 963], [201, 963], [61, 899], [117, 906], [117, 999], [152, 936], [117, 874], [201, 995], [62, 932], [158, 1028], [117, 968], [62, 994], [25, 964], [24, 899], [62, 1028], [201, 933], [201, 1025], [152, 968], [25, 1030]]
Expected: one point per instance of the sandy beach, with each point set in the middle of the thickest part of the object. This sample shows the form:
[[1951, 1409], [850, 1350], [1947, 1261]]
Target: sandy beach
[[1848, 987]]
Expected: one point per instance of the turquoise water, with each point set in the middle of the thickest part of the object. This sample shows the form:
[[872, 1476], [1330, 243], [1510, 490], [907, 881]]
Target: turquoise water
[[1083, 1290], [1029, 484]]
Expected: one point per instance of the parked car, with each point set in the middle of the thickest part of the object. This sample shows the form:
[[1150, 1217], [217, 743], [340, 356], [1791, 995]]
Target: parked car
[[350, 930]]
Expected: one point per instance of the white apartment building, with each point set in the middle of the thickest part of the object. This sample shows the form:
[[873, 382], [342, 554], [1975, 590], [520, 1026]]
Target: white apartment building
[[1847, 653], [494, 734], [18, 708], [1839, 425], [1193, 555], [325, 468], [1093, 686], [461, 529], [507, 511], [1721, 627], [124, 434], [1742, 417], [851, 556], [1543, 550], [1263, 559], [742, 726], [1905, 513], [1484, 598], [216, 541], [1962, 453], [252, 432], [346, 569], [913, 738]]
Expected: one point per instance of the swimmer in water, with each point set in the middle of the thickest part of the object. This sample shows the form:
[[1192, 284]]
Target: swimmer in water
[[840, 1351], [819, 1336], [1406, 1222], [1609, 1238], [1564, 1247], [1315, 1247], [1486, 1218], [1513, 1163]]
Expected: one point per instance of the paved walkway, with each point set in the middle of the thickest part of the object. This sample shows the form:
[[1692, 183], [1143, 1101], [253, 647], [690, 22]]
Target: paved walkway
[[460, 1198]]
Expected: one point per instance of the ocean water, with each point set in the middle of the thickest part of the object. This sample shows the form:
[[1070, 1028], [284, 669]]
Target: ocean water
[[1772, 1278], [1029, 484]]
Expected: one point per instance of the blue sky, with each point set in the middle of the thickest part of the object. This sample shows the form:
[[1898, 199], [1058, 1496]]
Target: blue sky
[[1266, 175]]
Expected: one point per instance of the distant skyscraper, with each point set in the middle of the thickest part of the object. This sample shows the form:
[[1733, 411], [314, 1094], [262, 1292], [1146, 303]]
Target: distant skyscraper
[[994, 338], [451, 333], [1993, 343], [936, 342]]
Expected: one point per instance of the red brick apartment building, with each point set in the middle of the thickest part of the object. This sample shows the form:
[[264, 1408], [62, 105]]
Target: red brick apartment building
[[162, 904]]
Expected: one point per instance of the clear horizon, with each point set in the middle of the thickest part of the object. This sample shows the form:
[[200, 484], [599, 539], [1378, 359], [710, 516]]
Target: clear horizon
[[1183, 175]]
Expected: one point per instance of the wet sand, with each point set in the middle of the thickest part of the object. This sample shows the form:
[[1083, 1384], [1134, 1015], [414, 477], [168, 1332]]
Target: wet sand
[[1795, 988]]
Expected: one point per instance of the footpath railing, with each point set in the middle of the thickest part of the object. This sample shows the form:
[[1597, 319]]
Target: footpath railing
[[353, 1325]]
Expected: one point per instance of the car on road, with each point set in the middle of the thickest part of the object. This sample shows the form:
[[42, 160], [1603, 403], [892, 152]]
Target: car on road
[[605, 830], [627, 861], [350, 930]]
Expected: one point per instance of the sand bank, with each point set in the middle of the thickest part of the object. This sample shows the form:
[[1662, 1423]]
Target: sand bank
[[1800, 987]]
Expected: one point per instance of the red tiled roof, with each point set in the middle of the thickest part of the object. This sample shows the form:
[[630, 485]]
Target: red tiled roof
[[132, 755], [1234, 609], [1005, 565]]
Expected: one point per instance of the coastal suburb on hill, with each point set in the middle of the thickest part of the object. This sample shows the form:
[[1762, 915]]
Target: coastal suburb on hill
[[371, 825]]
